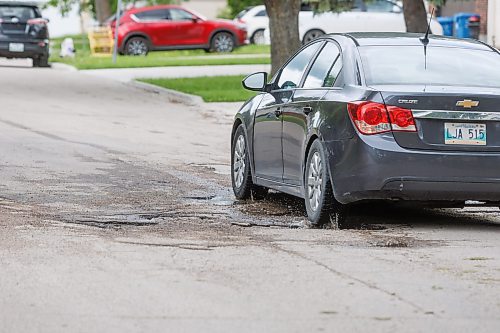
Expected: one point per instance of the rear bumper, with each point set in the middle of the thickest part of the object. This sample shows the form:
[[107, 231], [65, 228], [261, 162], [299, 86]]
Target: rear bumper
[[376, 167], [31, 49]]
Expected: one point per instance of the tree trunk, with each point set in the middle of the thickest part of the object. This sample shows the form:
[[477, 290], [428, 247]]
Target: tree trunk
[[103, 10], [415, 16], [284, 30]]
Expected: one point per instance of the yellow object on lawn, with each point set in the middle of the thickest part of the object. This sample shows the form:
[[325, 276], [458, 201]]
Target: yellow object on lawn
[[101, 41]]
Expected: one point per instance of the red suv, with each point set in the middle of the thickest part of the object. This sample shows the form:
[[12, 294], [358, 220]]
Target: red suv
[[168, 27]]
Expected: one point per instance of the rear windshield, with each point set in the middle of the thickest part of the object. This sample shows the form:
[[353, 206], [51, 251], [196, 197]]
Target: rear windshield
[[443, 66], [22, 13]]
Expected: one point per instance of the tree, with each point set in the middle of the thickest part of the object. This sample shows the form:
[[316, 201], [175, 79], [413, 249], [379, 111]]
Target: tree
[[283, 22], [101, 9], [284, 30]]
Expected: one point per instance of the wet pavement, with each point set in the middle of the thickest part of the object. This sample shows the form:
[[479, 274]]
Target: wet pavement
[[116, 214]]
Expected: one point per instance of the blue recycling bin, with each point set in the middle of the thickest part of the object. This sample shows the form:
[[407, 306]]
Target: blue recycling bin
[[461, 21], [447, 24]]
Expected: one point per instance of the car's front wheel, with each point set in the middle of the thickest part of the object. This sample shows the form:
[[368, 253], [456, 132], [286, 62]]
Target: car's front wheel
[[222, 42], [258, 37], [321, 206], [241, 176], [137, 46]]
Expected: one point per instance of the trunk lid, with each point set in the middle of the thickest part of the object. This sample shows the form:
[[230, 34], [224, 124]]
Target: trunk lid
[[448, 118]]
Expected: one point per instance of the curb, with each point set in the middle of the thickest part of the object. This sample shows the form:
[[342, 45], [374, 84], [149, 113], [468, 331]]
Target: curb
[[173, 96], [63, 67]]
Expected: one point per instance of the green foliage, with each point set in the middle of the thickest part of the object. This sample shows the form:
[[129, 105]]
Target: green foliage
[[237, 6]]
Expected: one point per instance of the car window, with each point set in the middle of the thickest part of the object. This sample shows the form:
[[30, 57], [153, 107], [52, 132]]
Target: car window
[[23, 13], [261, 13], [326, 68], [180, 15], [449, 66], [152, 15], [379, 6], [242, 13], [292, 73]]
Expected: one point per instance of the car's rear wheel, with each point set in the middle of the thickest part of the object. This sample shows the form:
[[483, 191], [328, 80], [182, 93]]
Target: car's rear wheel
[[258, 37], [137, 46], [241, 176], [222, 42], [321, 206], [41, 61], [312, 35]]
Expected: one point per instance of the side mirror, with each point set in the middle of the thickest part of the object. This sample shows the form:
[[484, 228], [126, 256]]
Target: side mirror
[[195, 19], [255, 81], [396, 9]]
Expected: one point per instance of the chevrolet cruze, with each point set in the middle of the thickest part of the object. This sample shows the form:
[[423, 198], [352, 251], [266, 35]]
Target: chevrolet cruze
[[373, 116]]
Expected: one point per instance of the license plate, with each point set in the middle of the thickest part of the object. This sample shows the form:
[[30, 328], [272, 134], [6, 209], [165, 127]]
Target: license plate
[[465, 134], [16, 47]]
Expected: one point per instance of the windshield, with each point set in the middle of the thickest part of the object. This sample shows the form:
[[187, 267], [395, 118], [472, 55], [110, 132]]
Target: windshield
[[445, 66], [23, 13]]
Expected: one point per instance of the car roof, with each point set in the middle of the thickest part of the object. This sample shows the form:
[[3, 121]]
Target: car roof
[[146, 8], [411, 39]]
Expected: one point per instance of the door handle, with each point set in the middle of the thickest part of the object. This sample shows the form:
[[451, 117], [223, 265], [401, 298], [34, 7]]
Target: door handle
[[307, 109], [278, 112]]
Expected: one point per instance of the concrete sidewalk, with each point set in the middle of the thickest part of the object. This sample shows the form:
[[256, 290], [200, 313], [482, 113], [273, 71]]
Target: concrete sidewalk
[[129, 74]]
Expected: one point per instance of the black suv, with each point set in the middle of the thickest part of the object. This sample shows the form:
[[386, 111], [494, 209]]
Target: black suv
[[23, 32]]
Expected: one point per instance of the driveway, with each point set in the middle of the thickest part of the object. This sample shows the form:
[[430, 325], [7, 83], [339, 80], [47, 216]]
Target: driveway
[[116, 215]]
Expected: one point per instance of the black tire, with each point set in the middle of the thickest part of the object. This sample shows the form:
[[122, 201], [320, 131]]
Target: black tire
[[41, 61], [137, 46], [321, 206], [222, 42], [241, 176], [258, 37], [312, 35]]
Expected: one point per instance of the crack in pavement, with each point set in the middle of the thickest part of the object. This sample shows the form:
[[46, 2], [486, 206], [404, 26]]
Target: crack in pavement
[[58, 138], [353, 278]]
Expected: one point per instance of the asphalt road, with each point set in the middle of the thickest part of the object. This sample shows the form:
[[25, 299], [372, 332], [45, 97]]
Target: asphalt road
[[116, 216]]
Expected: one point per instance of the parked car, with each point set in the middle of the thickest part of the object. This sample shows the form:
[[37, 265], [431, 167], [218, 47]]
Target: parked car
[[365, 16], [23, 32], [169, 27], [373, 116], [257, 21]]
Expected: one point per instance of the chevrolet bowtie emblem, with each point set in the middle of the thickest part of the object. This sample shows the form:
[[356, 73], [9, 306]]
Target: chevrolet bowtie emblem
[[467, 103]]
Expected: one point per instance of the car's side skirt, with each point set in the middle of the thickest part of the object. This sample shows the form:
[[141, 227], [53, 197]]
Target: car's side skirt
[[278, 186], [180, 47]]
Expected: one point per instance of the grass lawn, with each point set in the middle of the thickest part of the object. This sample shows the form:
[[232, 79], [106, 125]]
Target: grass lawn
[[84, 60], [211, 89]]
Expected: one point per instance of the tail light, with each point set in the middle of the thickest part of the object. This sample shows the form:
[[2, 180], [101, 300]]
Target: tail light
[[37, 21], [374, 118]]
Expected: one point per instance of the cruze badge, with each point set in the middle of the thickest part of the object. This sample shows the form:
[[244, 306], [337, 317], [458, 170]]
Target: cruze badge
[[408, 101], [467, 103]]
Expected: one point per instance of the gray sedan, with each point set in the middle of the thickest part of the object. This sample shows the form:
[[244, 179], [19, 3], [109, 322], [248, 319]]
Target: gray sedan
[[373, 116]]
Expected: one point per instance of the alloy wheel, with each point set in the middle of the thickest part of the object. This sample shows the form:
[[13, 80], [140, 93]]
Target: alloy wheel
[[315, 181], [239, 163], [137, 47], [312, 35], [258, 37], [223, 43]]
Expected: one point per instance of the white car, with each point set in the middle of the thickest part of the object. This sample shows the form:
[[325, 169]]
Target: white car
[[257, 21], [369, 16]]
